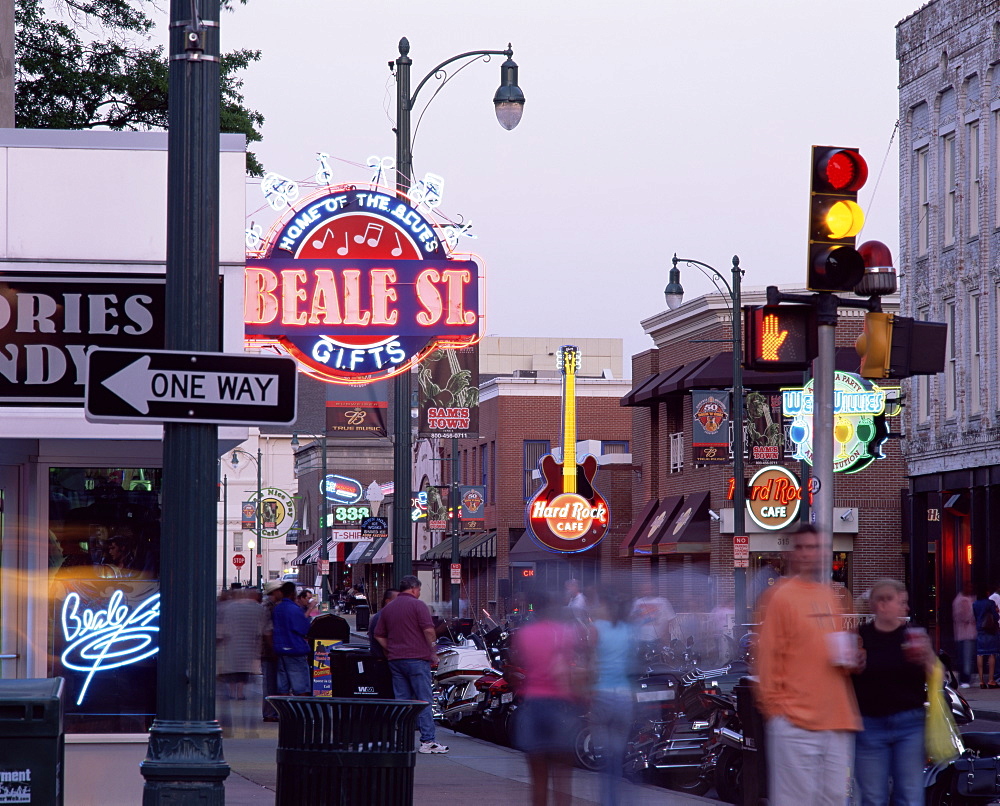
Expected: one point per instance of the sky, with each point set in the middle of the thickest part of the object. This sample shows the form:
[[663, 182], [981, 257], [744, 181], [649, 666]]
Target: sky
[[650, 127]]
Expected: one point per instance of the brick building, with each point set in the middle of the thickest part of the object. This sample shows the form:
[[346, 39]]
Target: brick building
[[682, 512], [949, 172], [520, 420]]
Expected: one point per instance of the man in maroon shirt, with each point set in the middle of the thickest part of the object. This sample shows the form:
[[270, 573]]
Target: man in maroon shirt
[[406, 633]]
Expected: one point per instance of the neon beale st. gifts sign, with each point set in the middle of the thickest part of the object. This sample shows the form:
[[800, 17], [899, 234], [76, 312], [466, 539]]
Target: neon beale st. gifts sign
[[357, 286]]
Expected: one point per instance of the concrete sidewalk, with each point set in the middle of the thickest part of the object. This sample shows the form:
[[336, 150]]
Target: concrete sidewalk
[[474, 771]]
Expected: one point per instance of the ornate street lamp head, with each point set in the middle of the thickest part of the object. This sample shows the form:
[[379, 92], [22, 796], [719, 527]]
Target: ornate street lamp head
[[509, 99], [674, 292]]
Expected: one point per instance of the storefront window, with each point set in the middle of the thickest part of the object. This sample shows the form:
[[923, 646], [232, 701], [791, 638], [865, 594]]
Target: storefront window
[[104, 570]]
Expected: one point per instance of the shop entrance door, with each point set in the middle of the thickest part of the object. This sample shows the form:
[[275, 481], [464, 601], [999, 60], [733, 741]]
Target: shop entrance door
[[12, 627]]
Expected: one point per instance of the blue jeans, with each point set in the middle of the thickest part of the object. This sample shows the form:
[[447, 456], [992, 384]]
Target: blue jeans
[[611, 721], [293, 675], [891, 747], [411, 680], [966, 652]]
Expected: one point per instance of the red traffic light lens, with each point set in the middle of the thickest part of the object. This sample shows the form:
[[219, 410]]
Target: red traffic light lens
[[845, 170]]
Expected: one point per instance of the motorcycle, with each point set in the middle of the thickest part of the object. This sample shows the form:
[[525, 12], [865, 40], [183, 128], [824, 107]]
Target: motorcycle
[[466, 667]]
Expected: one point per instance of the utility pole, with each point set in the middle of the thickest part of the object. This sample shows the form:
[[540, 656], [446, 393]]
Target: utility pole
[[184, 762]]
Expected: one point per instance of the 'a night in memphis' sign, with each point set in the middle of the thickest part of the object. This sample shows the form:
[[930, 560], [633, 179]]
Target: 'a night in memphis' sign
[[357, 286]]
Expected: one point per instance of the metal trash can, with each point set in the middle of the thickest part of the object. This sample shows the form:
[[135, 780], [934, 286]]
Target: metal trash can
[[337, 752], [32, 744], [362, 615], [754, 750]]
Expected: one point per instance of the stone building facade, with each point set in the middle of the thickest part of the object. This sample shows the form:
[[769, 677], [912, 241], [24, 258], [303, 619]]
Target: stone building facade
[[949, 270]]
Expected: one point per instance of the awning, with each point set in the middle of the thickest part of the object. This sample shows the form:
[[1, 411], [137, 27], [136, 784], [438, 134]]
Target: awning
[[527, 550], [310, 555], [629, 399], [640, 523], [358, 550], [716, 371], [690, 530], [442, 551], [663, 515], [483, 544], [369, 553]]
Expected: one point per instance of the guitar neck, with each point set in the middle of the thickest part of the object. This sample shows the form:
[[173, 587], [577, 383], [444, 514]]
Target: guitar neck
[[569, 433]]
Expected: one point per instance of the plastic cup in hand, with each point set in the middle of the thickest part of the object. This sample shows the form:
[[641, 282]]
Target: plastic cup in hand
[[915, 644], [843, 648]]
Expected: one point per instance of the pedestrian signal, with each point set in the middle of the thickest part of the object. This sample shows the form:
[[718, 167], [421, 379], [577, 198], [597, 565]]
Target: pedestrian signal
[[779, 337], [835, 218]]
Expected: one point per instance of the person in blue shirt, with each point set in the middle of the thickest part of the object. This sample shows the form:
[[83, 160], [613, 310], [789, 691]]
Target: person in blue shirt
[[290, 644]]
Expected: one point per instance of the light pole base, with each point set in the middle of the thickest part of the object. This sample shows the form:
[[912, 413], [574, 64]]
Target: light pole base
[[184, 764]]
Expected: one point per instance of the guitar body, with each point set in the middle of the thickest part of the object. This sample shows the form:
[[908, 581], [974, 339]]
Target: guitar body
[[552, 487]]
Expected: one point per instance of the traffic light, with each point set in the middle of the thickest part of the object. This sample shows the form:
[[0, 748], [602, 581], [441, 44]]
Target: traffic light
[[779, 337], [894, 346], [835, 218]]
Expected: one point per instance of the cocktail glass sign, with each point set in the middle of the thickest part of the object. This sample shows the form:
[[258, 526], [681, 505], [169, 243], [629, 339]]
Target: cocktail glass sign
[[859, 409], [358, 286]]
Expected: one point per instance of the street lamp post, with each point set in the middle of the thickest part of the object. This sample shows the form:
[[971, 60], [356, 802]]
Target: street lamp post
[[257, 509], [674, 294], [508, 102], [324, 513]]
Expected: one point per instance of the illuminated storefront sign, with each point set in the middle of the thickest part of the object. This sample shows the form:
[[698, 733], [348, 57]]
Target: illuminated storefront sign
[[341, 489], [98, 640], [277, 512], [357, 286], [858, 425], [773, 498]]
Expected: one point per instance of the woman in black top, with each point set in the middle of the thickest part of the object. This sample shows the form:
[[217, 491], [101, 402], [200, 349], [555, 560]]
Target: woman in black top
[[890, 693]]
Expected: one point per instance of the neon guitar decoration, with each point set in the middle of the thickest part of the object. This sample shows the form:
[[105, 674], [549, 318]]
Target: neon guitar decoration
[[567, 514]]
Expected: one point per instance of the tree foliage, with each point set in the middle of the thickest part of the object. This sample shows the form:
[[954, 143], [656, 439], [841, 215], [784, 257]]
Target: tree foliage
[[94, 67]]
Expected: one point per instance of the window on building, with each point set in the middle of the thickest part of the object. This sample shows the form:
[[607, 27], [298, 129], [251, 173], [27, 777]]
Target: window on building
[[950, 188], [923, 202], [534, 449], [677, 452], [237, 541], [975, 197], [614, 446], [950, 369], [493, 472], [975, 365], [923, 384], [484, 465]]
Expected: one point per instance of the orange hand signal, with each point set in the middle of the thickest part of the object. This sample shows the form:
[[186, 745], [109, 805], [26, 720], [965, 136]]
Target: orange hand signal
[[771, 339]]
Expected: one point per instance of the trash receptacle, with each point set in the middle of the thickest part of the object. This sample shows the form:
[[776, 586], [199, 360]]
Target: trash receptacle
[[362, 615], [32, 745], [337, 752], [754, 751], [356, 673]]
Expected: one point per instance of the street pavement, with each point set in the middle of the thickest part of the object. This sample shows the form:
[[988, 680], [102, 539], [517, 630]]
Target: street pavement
[[474, 771]]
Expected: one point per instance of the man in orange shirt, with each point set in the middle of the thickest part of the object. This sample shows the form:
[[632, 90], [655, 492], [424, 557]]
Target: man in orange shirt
[[804, 689]]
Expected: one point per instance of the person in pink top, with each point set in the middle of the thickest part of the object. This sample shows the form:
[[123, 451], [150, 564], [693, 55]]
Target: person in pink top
[[548, 652]]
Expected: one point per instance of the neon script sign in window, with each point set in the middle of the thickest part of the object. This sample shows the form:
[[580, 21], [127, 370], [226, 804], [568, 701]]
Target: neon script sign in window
[[101, 639]]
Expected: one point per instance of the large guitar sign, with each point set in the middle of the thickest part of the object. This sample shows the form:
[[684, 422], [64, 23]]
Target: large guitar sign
[[567, 514]]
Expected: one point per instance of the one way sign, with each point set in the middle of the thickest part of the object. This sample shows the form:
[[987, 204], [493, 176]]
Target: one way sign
[[162, 386]]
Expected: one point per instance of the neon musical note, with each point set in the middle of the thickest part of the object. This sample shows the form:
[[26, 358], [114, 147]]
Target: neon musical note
[[399, 247], [320, 243], [380, 166], [342, 250], [372, 241], [323, 173], [254, 237], [280, 191]]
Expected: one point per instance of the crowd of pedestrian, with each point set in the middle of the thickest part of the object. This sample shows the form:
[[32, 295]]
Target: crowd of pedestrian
[[840, 706]]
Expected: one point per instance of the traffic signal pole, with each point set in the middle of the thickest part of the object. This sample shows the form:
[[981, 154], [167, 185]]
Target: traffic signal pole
[[823, 406]]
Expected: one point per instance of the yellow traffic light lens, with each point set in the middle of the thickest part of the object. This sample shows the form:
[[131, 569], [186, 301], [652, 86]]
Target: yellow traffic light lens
[[844, 219]]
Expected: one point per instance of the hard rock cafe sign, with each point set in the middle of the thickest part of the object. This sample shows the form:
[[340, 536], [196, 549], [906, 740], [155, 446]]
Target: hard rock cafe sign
[[773, 497], [358, 286]]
